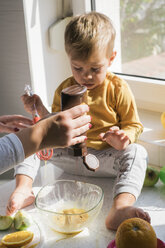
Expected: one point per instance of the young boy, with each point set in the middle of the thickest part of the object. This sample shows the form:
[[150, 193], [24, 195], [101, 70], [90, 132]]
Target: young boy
[[89, 43]]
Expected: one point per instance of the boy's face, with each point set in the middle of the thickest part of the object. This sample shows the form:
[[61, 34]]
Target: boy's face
[[91, 72]]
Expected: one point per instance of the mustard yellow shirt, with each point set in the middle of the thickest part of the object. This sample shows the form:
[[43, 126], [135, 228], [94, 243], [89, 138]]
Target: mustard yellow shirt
[[111, 104]]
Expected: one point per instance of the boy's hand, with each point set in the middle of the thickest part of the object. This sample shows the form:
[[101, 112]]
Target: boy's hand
[[116, 138], [13, 123], [34, 103]]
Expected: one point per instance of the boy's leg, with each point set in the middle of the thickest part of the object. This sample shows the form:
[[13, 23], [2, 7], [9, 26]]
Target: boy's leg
[[22, 196], [74, 165], [131, 165], [25, 174]]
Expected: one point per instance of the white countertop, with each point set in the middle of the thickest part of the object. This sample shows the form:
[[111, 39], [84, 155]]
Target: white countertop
[[151, 200]]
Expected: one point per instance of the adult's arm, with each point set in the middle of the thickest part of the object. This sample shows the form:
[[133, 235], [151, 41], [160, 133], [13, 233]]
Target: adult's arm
[[61, 130], [11, 152]]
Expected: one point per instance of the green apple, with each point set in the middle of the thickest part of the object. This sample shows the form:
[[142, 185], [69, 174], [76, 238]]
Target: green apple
[[162, 174], [21, 220], [5, 222], [152, 176]]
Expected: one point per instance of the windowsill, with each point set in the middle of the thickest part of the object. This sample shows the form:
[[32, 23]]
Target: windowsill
[[153, 136], [149, 93]]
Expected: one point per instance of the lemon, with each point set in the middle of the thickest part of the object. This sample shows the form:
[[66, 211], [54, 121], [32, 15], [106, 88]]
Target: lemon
[[5, 222], [163, 119], [21, 220], [17, 239]]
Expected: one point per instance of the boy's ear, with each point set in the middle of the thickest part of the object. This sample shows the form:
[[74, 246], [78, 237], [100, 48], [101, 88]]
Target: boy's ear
[[111, 59]]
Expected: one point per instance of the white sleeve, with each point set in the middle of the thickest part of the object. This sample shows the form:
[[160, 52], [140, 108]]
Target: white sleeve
[[28, 167], [11, 152]]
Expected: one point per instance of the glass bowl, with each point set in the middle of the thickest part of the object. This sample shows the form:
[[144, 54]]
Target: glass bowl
[[69, 206]]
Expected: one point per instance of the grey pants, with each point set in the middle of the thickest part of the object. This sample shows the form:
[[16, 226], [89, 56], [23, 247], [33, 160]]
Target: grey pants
[[128, 166]]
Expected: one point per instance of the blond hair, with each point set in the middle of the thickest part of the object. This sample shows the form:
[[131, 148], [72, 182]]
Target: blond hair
[[88, 32]]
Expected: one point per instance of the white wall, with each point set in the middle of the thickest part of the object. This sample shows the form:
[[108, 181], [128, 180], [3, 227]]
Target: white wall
[[14, 67]]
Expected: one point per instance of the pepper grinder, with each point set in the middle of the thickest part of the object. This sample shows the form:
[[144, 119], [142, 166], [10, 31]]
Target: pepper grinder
[[70, 97]]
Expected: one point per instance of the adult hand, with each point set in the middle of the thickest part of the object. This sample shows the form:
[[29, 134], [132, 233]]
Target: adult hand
[[67, 128], [12, 123], [59, 130], [116, 138]]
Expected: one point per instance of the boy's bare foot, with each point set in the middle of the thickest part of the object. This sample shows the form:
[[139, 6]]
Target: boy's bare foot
[[116, 216], [20, 198]]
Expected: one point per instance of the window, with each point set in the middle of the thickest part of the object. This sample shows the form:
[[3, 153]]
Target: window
[[140, 44], [143, 37]]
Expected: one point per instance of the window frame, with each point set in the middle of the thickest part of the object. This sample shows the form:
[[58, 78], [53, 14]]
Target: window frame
[[148, 92]]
